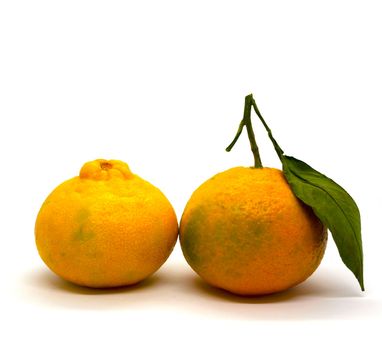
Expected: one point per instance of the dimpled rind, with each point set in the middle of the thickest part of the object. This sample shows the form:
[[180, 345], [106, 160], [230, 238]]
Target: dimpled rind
[[101, 169], [106, 227], [244, 231]]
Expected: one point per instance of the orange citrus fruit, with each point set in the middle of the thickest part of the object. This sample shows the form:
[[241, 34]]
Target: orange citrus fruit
[[106, 227], [245, 231]]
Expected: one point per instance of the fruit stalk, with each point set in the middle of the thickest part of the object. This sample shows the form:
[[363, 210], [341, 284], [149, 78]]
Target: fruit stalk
[[246, 121]]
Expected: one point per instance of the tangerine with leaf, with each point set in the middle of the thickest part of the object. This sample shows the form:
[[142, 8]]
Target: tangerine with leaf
[[257, 230]]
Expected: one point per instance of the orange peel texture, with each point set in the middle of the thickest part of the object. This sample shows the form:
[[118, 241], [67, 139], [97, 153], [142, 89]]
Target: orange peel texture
[[245, 231], [106, 227]]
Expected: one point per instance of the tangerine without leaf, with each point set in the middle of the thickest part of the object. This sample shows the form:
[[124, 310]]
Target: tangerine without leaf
[[106, 227], [245, 231]]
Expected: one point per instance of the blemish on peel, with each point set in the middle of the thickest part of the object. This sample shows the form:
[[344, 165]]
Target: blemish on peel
[[82, 234]]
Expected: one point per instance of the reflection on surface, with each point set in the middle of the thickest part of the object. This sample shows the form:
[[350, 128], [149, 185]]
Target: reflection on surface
[[175, 287]]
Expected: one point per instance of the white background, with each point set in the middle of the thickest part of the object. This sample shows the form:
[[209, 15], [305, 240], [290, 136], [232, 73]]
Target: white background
[[160, 85]]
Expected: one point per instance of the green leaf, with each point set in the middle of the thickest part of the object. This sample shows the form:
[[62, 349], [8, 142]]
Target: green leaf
[[333, 206], [330, 202]]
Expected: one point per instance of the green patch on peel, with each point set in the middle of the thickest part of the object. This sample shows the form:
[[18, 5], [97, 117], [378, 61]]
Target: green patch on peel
[[82, 234], [226, 241], [192, 236]]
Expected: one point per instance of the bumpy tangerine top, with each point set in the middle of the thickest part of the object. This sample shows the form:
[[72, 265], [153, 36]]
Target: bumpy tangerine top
[[102, 169]]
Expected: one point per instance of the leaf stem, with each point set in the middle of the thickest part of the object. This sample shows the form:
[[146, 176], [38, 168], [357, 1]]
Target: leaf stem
[[246, 121]]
